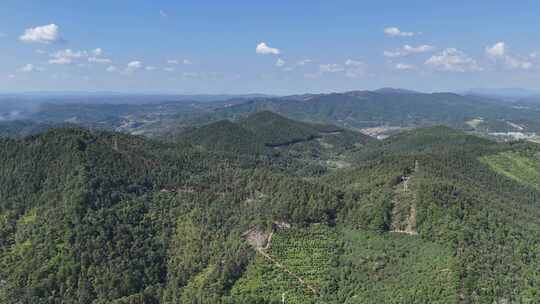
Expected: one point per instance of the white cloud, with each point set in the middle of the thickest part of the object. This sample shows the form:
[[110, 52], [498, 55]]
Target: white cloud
[[97, 52], [2, 35], [497, 50], [408, 50], [355, 68], [150, 68], [453, 60], [69, 56], [187, 62], [396, 32], [40, 51], [41, 34], [28, 68], [404, 66], [264, 49], [280, 62], [112, 68], [169, 69], [173, 61], [331, 68], [11, 76], [66, 56], [498, 53], [353, 62], [351, 68], [133, 66]]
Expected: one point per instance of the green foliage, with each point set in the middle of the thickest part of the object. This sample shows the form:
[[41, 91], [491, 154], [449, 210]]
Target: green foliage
[[307, 253], [100, 217], [393, 268], [522, 168]]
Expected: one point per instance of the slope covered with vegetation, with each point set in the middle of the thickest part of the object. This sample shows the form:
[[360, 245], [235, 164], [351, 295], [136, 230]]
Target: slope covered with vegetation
[[296, 147], [477, 216], [427, 216]]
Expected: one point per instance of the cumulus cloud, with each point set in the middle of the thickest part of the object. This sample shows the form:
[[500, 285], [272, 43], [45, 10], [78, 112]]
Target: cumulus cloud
[[280, 62], [41, 34], [396, 32], [133, 66], [69, 56], [150, 68], [497, 50], [408, 50], [111, 69], [29, 68], [66, 56], [498, 53], [453, 60], [263, 49]]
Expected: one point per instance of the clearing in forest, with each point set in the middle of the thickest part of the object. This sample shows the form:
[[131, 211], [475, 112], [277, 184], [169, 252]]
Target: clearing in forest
[[524, 169], [295, 265]]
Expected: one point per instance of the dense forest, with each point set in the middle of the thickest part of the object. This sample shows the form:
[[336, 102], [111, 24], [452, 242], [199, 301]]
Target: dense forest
[[266, 209]]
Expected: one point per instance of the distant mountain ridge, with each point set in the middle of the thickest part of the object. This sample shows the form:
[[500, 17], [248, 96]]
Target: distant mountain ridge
[[394, 107]]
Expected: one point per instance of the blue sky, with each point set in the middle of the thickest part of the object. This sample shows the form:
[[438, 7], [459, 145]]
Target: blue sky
[[303, 46]]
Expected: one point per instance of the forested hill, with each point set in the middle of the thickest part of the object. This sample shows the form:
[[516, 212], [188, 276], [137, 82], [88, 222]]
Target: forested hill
[[427, 216], [391, 107], [110, 218], [264, 128]]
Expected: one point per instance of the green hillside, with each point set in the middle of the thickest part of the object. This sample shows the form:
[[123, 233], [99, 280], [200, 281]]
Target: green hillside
[[225, 136], [299, 148], [520, 167], [276, 130], [427, 216]]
